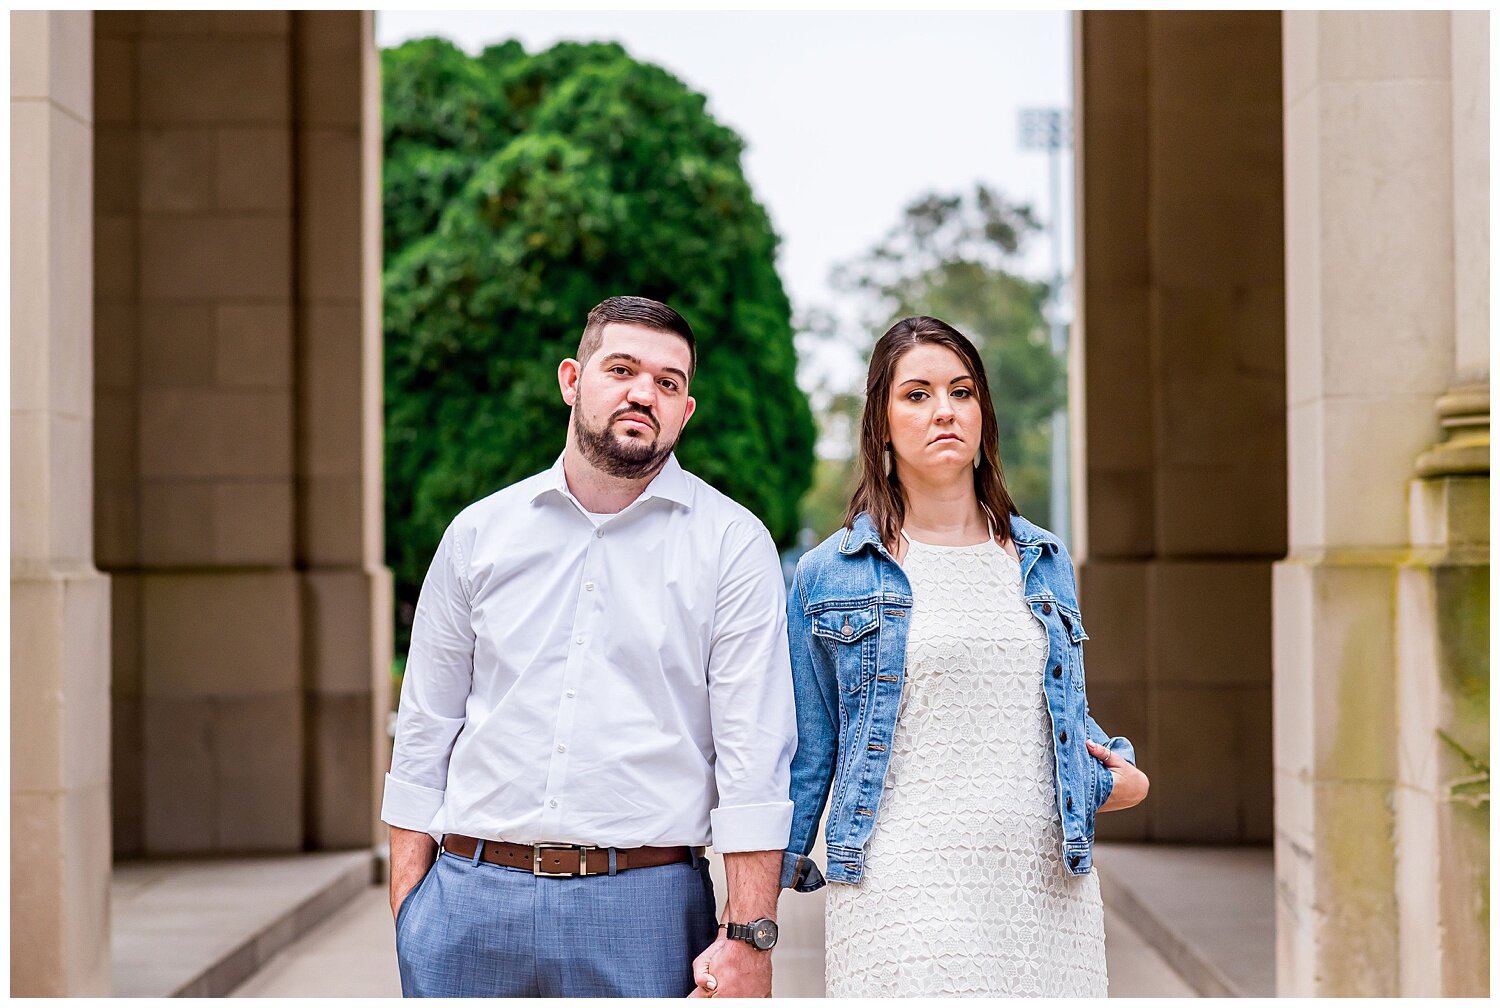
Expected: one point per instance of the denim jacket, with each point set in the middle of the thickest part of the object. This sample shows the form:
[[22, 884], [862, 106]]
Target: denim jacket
[[847, 614]]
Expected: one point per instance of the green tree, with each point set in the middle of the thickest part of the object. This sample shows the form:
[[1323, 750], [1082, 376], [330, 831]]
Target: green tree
[[521, 190], [952, 256]]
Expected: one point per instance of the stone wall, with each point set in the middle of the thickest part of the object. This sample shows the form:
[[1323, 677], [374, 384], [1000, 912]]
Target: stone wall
[[1180, 380], [1381, 609], [238, 431], [60, 606]]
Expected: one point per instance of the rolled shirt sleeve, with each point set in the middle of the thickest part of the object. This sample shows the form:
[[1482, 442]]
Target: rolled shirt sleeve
[[434, 691], [750, 698]]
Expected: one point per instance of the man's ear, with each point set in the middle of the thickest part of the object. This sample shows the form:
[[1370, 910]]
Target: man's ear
[[568, 373], [687, 414]]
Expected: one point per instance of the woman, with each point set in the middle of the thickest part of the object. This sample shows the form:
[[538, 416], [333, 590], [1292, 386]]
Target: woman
[[938, 666]]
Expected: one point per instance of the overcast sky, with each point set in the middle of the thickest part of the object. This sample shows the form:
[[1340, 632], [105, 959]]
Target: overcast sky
[[846, 116]]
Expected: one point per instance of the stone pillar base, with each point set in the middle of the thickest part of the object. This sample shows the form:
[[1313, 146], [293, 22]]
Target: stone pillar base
[[347, 623], [1442, 704], [59, 799], [1334, 773]]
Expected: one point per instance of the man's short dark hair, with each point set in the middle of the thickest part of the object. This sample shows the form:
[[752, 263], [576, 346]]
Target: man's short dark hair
[[635, 311]]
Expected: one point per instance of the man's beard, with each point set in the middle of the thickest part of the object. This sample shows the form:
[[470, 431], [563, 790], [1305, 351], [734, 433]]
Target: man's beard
[[622, 457]]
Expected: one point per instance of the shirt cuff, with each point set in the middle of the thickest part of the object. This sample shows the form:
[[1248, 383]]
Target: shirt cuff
[[738, 828], [800, 872], [409, 806]]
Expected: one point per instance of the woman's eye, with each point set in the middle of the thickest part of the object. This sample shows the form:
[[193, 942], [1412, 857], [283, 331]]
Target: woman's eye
[[916, 395], [961, 393]]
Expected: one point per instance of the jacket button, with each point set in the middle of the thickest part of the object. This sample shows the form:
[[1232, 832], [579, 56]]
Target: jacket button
[[1057, 671], [1063, 738], [1070, 803], [1047, 608], [1073, 861]]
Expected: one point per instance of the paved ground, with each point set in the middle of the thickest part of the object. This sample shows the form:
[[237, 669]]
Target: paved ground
[[352, 954]]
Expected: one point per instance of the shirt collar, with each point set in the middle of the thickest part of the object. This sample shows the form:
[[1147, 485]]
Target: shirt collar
[[670, 483]]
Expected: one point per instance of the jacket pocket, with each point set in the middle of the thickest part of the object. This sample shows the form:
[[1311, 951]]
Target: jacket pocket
[[1073, 623], [850, 635]]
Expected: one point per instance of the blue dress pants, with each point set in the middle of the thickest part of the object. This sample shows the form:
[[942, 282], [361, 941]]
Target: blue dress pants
[[471, 929]]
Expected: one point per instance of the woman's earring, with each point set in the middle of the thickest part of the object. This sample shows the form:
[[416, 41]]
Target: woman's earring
[[888, 463], [978, 458]]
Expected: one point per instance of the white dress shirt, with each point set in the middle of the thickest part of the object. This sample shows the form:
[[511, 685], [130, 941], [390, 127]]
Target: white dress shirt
[[619, 680]]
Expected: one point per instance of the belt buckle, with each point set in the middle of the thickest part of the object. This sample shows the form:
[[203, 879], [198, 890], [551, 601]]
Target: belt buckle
[[583, 860]]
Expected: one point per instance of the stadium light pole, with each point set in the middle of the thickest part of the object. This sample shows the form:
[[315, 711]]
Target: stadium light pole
[[1047, 129]]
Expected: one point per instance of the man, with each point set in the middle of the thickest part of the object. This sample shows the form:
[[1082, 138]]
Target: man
[[598, 686]]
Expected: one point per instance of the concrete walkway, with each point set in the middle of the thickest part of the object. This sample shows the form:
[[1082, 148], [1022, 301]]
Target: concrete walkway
[[199, 928], [1179, 922], [1210, 912]]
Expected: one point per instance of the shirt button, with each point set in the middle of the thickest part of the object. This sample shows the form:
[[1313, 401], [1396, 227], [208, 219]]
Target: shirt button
[[598, 533], [578, 639], [572, 694], [562, 748], [553, 803], [588, 586]]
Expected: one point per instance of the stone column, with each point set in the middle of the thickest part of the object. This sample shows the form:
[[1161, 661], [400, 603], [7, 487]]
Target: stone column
[[60, 830], [217, 617], [1180, 366], [346, 588], [238, 323], [1442, 603], [1379, 195]]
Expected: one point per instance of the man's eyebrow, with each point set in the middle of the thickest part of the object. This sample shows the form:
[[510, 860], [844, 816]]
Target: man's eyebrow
[[604, 361]]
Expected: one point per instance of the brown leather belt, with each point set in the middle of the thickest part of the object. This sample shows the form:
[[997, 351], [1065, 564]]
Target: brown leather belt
[[567, 860]]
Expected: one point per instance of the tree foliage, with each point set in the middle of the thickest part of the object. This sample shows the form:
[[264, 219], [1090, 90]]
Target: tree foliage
[[952, 256], [522, 189]]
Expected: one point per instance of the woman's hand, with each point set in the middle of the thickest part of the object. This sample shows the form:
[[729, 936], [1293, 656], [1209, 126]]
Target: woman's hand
[[1130, 784]]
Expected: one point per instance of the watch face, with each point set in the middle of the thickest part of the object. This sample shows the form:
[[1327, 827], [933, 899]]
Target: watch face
[[763, 934]]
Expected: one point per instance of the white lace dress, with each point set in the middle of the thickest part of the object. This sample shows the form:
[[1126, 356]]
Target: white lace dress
[[964, 890]]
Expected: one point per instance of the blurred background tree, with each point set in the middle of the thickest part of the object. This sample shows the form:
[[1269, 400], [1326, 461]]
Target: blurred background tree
[[522, 189], [949, 256]]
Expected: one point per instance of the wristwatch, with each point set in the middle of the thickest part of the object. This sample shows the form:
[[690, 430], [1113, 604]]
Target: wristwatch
[[759, 933]]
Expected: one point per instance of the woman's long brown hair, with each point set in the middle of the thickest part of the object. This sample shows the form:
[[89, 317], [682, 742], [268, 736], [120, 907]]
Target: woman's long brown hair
[[882, 495]]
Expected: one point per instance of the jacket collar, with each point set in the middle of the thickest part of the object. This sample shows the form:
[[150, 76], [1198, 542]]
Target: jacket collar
[[1026, 534], [860, 535]]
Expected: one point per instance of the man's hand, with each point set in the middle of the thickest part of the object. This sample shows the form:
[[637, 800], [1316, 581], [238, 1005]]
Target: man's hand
[[732, 968], [412, 854], [1130, 784]]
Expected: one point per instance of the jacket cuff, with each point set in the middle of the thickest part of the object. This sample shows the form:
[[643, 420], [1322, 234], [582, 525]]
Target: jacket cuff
[[1121, 745], [410, 806], [740, 828], [800, 873]]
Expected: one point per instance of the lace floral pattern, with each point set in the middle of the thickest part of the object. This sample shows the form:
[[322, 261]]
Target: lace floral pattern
[[964, 891]]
